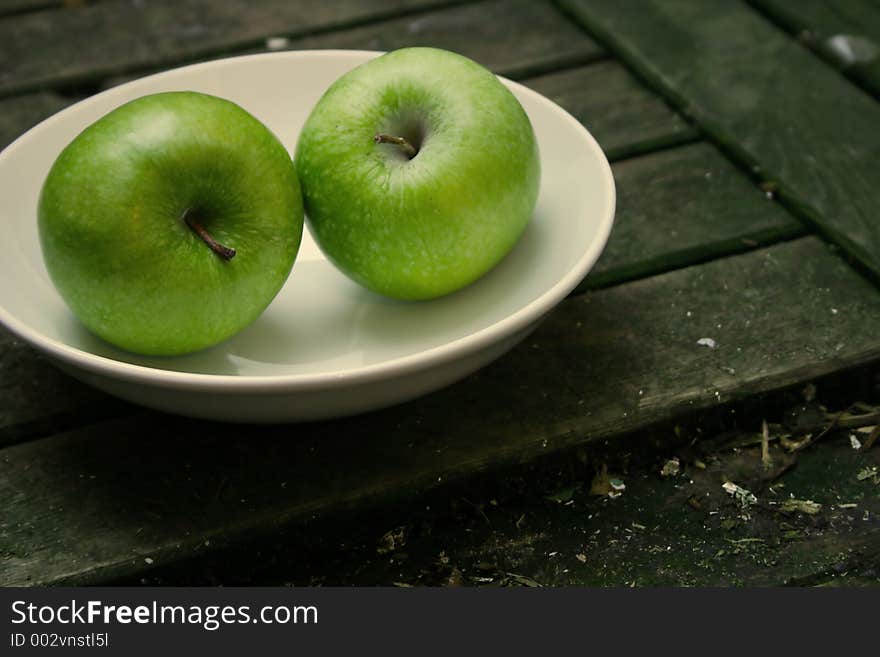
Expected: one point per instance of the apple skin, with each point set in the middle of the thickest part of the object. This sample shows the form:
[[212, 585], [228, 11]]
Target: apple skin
[[423, 227], [113, 235]]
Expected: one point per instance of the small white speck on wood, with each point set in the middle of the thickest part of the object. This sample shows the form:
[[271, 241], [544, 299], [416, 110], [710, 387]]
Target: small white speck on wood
[[803, 506], [277, 43]]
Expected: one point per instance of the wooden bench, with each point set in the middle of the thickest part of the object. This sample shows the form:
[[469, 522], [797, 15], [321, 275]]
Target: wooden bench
[[747, 190]]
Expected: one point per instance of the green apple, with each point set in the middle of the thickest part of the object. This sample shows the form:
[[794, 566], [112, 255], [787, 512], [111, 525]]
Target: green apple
[[419, 171], [171, 223]]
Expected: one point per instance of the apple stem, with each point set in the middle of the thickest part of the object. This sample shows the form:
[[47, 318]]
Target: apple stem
[[408, 148], [224, 252]]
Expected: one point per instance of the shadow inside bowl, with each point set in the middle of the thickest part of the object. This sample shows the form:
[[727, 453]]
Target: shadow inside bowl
[[323, 322]]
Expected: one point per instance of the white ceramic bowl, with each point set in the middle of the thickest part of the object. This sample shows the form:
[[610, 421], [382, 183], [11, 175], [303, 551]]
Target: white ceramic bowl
[[325, 347]]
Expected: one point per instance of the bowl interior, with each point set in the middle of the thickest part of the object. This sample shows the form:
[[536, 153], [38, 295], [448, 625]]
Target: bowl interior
[[320, 323]]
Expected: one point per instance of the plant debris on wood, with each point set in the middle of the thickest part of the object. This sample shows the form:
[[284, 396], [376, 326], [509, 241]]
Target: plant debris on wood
[[803, 506], [873, 434], [671, 468], [605, 485], [744, 497], [564, 495], [870, 472], [392, 541], [781, 500]]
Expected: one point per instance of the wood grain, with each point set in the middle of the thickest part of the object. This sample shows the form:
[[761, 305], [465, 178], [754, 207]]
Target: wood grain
[[770, 102], [10, 7], [683, 206], [36, 398], [516, 38], [624, 117], [23, 112], [96, 503], [60, 47], [541, 523], [511, 37], [507, 36], [845, 33]]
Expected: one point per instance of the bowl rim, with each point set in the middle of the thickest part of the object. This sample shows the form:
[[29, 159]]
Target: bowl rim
[[434, 356]]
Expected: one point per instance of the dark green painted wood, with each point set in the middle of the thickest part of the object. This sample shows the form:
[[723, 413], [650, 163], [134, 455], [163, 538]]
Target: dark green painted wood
[[95, 503], [682, 206], [541, 524], [773, 104], [9, 7], [512, 38], [846, 33], [507, 36], [61, 47], [515, 38], [36, 398], [623, 116], [23, 112]]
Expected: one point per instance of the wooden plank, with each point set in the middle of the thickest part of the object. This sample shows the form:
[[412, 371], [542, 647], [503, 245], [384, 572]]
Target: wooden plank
[[845, 33], [51, 48], [98, 503], [539, 525], [36, 398], [23, 112], [778, 108], [10, 7], [509, 37], [623, 116], [516, 38], [683, 206], [719, 544]]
